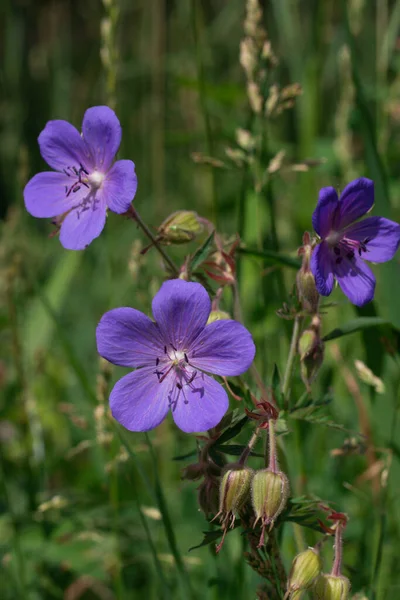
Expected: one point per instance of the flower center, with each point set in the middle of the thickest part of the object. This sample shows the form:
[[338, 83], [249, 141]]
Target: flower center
[[344, 247], [81, 177], [175, 365]]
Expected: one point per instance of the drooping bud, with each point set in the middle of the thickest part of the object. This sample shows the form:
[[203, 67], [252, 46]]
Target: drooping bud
[[218, 315], [269, 493], [306, 567], [331, 587], [233, 493], [311, 350], [305, 282], [208, 496], [181, 227]]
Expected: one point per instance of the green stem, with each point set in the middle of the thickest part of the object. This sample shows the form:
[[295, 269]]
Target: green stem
[[249, 447], [291, 358], [134, 215], [273, 462]]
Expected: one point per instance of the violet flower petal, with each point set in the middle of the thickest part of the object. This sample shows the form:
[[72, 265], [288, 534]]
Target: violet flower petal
[[102, 132], [205, 405], [138, 401], [356, 280], [82, 226], [382, 234], [223, 348], [322, 269], [119, 187], [128, 338], [181, 309], [356, 200], [62, 146], [45, 195], [324, 213]]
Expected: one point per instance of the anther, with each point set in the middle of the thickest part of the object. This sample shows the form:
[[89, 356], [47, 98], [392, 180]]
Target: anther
[[185, 356], [336, 251], [339, 260], [157, 362], [350, 255]]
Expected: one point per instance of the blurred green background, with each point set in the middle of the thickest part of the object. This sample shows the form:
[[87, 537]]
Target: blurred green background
[[80, 499]]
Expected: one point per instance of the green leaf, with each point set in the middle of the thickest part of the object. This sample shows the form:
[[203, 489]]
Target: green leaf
[[185, 456], [201, 253], [272, 257], [235, 450], [356, 325], [232, 431], [209, 538]]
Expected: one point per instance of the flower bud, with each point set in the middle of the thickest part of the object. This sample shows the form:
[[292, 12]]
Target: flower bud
[[218, 315], [305, 282], [305, 569], [208, 495], [311, 350], [181, 227], [234, 491], [269, 492], [331, 587]]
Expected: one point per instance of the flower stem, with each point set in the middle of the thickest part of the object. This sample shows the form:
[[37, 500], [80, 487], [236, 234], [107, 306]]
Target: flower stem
[[291, 358], [337, 563], [273, 462], [134, 215], [249, 447]]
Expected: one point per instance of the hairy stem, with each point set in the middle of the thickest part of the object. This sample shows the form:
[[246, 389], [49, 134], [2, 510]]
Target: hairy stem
[[291, 358], [134, 215]]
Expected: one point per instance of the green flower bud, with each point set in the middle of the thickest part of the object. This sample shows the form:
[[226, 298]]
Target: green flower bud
[[181, 227], [269, 492], [331, 587], [306, 567], [311, 350], [234, 491], [305, 282], [218, 315]]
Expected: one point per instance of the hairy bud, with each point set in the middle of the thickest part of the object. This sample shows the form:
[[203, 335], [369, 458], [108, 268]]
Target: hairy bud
[[234, 490], [305, 282], [269, 492], [311, 350], [218, 315], [331, 587], [306, 567], [181, 227]]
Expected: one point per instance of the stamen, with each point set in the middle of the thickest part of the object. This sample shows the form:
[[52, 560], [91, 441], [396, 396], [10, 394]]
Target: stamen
[[336, 251], [186, 358]]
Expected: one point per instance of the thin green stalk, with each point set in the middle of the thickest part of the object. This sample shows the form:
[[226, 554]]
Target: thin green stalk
[[196, 6], [169, 530], [137, 218], [291, 358]]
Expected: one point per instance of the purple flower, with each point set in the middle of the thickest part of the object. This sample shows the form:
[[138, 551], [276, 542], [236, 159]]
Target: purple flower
[[346, 241], [85, 181], [170, 357]]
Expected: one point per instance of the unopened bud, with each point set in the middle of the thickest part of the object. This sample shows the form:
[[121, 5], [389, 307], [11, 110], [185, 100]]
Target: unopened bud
[[234, 491], [208, 496], [305, 569], [218, 315], [269, 492], [331, 587], [311, 350], [193, 472], [305, 282], [181, 227]]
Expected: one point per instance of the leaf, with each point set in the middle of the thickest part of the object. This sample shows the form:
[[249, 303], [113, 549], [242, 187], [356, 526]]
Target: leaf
[[276, 386], [356, 325], [304, 414], [209, 538], [272, 257], [201, 253], [305, 512], [235, 450], [185, 456], [232, 431]]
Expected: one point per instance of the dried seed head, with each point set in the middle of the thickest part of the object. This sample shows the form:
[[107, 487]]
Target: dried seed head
[[331, 587], [181, 227], [306, 567], [269, 492], [234, 490]]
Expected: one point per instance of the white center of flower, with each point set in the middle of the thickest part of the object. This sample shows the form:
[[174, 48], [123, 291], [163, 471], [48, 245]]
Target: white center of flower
[[179, 356], [334, 238], [96, 179]]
